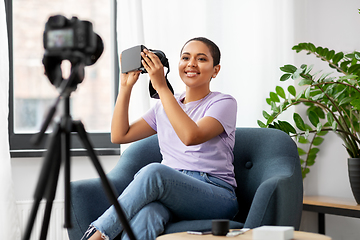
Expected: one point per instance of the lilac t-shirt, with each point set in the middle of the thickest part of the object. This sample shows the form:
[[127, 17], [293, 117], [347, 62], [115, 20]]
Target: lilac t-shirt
[[215, 156]]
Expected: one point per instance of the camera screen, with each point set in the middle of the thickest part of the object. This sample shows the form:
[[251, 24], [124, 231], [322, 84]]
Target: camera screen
[[61, 38]]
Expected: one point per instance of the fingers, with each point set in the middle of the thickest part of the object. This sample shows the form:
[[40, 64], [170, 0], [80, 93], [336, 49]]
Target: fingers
[[150, 60]]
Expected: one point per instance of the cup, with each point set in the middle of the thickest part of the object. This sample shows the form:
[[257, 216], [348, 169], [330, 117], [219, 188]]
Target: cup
[[220, 227]]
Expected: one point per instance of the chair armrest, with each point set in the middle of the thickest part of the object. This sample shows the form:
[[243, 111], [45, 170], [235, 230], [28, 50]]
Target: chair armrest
[[274, 199]]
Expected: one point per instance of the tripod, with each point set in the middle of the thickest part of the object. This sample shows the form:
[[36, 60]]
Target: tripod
[[58, 153]]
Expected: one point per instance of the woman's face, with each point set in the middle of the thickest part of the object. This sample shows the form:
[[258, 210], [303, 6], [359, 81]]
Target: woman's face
[[196, 65]]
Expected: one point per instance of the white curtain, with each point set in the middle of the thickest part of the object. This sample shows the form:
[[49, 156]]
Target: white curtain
[[255, 38], [9, 225]]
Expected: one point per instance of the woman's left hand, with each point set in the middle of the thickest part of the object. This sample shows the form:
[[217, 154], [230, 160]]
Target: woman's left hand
[[155, 69]]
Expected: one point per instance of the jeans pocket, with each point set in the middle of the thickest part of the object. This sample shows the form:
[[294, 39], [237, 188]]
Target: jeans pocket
[[218, 182]]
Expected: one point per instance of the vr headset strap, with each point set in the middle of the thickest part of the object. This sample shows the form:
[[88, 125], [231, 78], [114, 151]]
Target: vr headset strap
[[152, 91]]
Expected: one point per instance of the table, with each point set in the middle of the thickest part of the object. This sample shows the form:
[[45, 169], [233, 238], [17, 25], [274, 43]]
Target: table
[[330, 205], [246, 236]]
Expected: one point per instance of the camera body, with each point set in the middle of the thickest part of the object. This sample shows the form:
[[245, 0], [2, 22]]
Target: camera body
[[131, 59], [72, 39]]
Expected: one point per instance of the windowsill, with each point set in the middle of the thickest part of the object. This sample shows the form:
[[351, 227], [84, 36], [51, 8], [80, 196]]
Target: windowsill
[[73, 152]]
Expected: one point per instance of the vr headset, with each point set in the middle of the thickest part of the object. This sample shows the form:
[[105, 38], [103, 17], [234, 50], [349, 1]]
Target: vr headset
[[131, 61]]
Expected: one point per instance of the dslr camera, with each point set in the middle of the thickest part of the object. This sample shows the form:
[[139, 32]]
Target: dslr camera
[[72, 39]]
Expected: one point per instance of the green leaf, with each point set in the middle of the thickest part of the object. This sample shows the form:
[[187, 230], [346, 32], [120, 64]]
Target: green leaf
[[330, 118], [356, 104], [266, 115], [319, 50], [320, 112], [324, 52], [319, 126], [337, 95], [354, 68], [308, 70], [292, 90], [314, 151], [274, 108], [357, 56], [271, 118], [285, 77], [288, 68], [322, 133], [317, 141], [303, 140], [324, 75], [304, 172], [301, 151], [280, 91], [286, 127], [304, 82], [299, 122], [337, 57], [314, 119], [346, 100], [346, 77], [298, 71], [334, 126], [268, 101], [307, 92], [311, 47], [330, 55], [311, 159], [299, 95], [261, 124], [274, 97], [289, 99], [308, 127], [344, 65]]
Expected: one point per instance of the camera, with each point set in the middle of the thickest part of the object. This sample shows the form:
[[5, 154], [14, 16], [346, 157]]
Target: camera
[[72, 39], [131, 61]]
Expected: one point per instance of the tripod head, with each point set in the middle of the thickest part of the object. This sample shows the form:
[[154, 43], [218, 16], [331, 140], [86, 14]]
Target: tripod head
[[66, 87]]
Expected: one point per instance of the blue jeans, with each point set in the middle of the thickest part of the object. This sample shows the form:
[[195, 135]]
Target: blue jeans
[[158, 193]]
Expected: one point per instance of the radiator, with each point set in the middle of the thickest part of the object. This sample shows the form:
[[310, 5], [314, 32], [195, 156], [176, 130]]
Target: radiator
[[56, 230]]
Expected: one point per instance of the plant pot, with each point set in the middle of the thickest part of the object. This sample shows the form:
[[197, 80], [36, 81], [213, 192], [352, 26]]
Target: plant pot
[[354, 177]]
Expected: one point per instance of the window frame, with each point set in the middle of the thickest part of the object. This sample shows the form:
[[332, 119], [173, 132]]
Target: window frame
[[20, 144]]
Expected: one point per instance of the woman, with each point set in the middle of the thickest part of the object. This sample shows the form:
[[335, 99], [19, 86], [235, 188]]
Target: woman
[[196, 132]]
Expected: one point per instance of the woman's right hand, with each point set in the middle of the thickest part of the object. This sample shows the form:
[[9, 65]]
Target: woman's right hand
[[128, 79]]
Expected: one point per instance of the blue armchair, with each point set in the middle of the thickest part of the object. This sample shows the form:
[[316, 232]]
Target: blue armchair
[[267, 171]]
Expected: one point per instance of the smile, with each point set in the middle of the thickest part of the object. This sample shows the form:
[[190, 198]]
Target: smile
[[191, 74]]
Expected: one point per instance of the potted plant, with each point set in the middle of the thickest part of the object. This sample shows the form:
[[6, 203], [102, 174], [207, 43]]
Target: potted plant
[[332, 103]]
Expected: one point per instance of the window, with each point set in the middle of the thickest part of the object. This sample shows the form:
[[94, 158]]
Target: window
[[31, 93]]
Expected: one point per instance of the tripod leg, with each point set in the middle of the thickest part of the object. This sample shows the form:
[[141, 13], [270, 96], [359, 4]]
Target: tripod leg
[[106, 184], [65, 144], [43, 182], [51, 189]]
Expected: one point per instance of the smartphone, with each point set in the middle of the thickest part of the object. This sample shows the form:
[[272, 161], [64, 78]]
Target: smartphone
[[199, 233], [131, 59]]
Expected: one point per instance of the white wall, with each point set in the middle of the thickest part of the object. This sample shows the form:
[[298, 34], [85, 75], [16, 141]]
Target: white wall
[[333, 24], [26, 171]]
